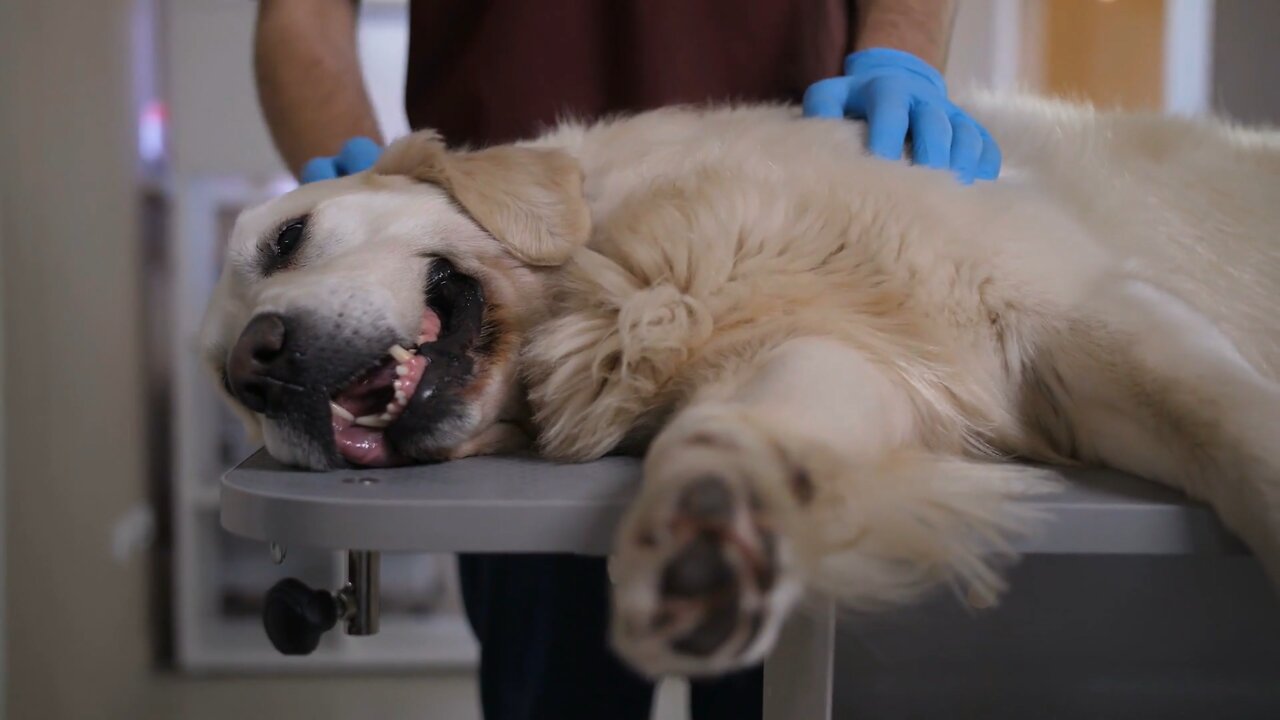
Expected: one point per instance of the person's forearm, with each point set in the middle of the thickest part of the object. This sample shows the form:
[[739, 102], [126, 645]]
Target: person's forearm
[[308, 75], [920, 27]]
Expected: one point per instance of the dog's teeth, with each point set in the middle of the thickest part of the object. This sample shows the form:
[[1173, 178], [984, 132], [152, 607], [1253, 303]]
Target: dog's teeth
[[374, 421], [341, 412], [402, 370], [422, 339], [386, 417], [399, 353], [401, 397], [393, 409]]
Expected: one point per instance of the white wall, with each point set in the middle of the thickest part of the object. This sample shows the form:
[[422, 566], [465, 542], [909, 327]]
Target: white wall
[[214, 124], [216, 127], [1188, 56], [986, 45]]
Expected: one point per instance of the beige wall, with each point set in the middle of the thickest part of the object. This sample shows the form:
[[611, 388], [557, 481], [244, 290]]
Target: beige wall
[[1110, 53], [77, 636]]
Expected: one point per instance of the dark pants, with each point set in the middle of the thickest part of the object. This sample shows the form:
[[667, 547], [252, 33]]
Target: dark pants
[[542, 622]]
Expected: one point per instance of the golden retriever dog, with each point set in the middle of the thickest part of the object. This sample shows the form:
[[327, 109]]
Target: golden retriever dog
[[826, 358]]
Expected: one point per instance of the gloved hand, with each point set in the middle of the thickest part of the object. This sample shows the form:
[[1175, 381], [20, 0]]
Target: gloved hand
[[357, 154], [895, 92]]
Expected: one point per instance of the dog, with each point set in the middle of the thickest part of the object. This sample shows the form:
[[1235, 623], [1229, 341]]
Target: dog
[[826, 359]]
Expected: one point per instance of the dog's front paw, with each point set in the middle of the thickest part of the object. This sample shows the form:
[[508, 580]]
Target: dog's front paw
[[702, 579]]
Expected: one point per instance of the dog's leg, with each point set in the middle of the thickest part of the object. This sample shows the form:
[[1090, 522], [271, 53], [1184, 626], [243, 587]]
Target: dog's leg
[[1150, 386], [797, 474]]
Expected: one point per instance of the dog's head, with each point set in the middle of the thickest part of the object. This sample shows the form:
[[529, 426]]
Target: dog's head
[[376, 319]]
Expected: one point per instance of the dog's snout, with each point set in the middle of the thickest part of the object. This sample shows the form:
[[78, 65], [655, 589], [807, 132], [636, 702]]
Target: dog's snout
[[259, 362]]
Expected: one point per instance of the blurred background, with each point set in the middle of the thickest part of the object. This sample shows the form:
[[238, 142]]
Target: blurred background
[[130, 138]]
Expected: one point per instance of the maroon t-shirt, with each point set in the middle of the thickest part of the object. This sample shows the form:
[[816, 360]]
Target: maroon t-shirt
[[490, 71]]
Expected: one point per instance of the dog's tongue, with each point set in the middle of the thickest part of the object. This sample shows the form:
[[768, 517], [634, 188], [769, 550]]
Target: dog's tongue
[[428, 327], [361, 445]]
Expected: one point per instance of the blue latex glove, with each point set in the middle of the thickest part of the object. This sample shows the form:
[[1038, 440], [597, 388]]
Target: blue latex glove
[[357, 155], [895, 92]]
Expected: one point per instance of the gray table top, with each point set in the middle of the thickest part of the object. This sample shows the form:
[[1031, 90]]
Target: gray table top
[[522, 504]]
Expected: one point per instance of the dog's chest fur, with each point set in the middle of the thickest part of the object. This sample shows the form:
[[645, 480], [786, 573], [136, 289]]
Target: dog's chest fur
[[718, 235]]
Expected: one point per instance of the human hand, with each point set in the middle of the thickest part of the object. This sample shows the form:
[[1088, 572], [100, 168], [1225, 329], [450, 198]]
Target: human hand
[[898, 93], [357, 154]]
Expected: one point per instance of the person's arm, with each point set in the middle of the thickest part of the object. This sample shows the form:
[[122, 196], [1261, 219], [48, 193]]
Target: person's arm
[[919, 27], [308, 76]]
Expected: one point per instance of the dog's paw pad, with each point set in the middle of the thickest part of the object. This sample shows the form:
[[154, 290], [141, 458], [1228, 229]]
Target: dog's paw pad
[[717, 566]]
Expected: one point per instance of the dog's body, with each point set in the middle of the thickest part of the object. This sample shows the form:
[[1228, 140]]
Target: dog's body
[[823, 352]]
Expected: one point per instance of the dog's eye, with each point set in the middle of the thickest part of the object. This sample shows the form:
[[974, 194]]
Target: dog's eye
[[289, 239], [278, 254]]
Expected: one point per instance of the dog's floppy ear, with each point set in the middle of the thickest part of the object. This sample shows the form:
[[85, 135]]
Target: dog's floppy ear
[[530, 199]]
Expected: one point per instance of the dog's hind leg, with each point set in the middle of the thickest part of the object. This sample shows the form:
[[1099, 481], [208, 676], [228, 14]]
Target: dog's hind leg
[[1148, 385], [799, 473]]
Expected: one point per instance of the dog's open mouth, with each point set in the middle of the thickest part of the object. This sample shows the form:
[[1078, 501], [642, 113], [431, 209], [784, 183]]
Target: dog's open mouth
[[367, 409], [364, 409]]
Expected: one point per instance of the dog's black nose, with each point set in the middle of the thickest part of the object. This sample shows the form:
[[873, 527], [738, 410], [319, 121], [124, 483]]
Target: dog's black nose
[[260, 365]]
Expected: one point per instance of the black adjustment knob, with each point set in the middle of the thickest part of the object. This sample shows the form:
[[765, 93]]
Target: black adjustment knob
[[295, 616]]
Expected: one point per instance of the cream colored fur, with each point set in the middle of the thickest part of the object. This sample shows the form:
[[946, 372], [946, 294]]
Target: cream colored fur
[[854, 346], [1111, 300]]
